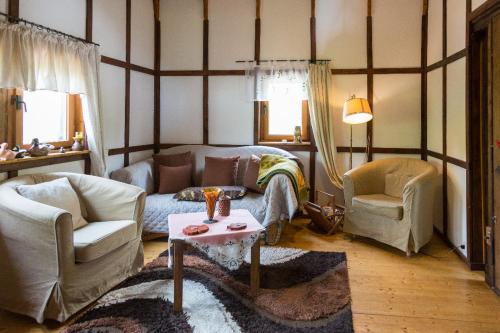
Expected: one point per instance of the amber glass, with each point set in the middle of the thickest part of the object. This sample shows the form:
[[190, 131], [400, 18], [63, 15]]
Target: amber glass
[[211, 195]]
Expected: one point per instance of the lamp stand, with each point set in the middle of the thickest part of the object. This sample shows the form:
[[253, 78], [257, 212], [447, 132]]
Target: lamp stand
[[350, 151]]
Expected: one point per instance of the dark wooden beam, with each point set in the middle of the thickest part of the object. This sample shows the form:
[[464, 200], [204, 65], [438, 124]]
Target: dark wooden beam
[[447, 60], [125, 65], [444, 127], [130, 149], [13, 9], [381, 150], [312, 154], [369, 83], [423, 81], [89, 17], [157, 64], [128, 40], [206, 114], [256, 57]]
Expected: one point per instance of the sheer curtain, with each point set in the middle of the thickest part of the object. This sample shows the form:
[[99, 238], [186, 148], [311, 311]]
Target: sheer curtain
[[321, 114], [34, 59], [277, 78]]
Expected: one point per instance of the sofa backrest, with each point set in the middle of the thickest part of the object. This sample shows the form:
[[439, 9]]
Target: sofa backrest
[[199, 152]]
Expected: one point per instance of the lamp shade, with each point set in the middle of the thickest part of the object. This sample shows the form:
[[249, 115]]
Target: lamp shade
[[357, 111]]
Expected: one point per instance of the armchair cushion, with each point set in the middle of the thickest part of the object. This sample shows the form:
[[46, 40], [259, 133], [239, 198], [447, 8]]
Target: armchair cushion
[[57, 193], [379, 204], [99, 238]]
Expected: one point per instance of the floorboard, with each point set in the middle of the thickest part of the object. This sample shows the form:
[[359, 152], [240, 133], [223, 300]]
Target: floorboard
[[429, 292]]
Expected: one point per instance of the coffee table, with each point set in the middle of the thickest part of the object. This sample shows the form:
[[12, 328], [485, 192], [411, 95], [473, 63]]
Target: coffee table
[[217, 235]]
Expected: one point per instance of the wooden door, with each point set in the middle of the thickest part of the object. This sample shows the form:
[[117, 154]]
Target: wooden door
[[492, 232]]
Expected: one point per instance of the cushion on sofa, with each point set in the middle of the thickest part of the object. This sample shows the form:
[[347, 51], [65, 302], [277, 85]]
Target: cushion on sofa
[[56, 193], [220, 171], [196, 193], [379, 204], [173, 160], [99, 238], [252, 173], [174, 179]]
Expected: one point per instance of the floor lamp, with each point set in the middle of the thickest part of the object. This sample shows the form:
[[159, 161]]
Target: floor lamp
[[356, 111]]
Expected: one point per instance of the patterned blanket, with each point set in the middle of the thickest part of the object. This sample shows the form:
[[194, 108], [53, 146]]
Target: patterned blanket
[[271, 165]]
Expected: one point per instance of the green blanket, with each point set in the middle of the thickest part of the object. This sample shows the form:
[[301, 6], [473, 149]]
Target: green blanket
[[271, 165]]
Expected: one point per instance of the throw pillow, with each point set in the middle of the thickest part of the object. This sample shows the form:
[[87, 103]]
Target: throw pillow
[[251, 174], [173, 160], [174, 179], [196, 193], [220, 171], [56, 193]]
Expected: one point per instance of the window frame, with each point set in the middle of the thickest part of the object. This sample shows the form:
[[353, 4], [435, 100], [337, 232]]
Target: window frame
[[74, 123], [264, 135]]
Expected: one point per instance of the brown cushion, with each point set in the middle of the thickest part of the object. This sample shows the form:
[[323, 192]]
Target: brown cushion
[[220, 171], [174, 160], [174, 179], [252, 173]]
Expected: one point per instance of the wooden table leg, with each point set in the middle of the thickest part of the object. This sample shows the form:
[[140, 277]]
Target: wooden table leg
[[178, 266], [254, 269]]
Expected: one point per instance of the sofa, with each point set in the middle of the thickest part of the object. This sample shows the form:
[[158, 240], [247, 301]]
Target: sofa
[[277, 204], [392, 201], [48, 270]]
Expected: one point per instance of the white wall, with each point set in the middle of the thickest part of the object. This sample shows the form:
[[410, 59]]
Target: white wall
[[109, 26], [341, 37], [455, 110]]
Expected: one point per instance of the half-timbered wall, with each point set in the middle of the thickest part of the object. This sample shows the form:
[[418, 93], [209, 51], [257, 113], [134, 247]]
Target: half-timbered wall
[[125, 31]]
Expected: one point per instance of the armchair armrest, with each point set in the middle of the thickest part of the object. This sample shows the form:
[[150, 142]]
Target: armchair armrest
[[138, 174], [418, 202], [109, 200], [32, 235]]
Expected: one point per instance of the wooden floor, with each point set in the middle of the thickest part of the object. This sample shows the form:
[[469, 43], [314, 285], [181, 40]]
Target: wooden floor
[[390, 292]]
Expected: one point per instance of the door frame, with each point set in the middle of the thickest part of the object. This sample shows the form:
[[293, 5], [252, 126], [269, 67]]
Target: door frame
[[479, 124]]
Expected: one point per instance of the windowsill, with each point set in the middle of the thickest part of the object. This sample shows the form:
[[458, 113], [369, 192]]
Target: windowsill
[[290, 146], [52, 158], [288, 143]]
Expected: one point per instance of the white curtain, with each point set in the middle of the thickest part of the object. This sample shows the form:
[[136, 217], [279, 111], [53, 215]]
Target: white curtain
[[321, 114], [35, 59], [276, 78]]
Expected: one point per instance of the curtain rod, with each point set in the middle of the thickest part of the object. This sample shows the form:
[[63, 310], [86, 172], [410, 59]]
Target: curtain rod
[[284, 60], [42, 27]]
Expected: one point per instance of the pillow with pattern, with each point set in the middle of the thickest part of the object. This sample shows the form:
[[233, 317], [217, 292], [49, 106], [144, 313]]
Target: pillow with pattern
[[196, 194]]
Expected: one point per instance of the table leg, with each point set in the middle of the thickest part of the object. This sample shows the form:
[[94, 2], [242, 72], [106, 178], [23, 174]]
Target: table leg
[[254, 269], [178, 266]]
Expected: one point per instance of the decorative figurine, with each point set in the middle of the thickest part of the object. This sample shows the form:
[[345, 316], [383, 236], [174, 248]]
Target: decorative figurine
[[5, 153], [20, 153], [38, 149], [78, 142], [62, 150], [297, 135]]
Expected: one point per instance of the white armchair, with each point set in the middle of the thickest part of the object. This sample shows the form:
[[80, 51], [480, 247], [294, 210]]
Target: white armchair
[[392, 201], [49, 271]]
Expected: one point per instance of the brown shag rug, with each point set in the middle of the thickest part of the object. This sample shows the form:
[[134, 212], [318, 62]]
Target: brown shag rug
[[302, 291]]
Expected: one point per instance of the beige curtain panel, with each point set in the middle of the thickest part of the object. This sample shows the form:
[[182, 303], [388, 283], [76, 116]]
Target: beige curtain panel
[[33, 59], [321, 113]]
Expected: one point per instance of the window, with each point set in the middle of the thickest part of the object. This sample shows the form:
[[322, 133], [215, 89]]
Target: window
[[50, 116], [280, 116]]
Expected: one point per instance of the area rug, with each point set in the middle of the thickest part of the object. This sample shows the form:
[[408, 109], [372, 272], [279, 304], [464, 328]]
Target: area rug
[[301, 291]]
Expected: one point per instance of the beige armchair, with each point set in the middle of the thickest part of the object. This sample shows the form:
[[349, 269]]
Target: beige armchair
[[392, 201], [49, 271]]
